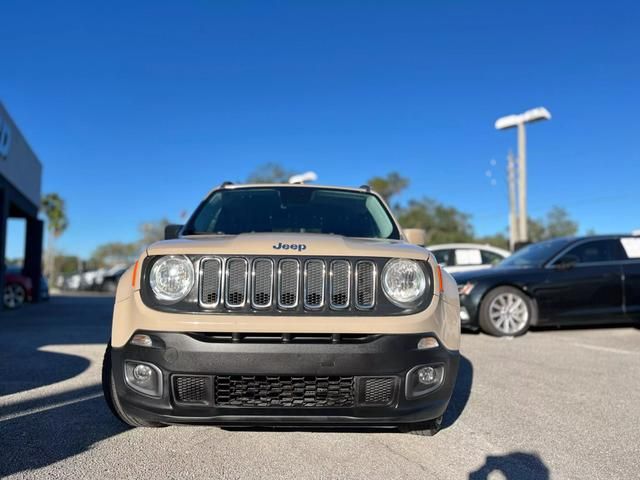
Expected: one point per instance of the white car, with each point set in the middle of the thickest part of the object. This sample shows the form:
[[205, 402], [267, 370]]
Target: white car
[[464, 257]]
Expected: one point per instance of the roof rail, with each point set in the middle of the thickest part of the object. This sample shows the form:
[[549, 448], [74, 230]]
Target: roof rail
[[366, 188], [224, 184]]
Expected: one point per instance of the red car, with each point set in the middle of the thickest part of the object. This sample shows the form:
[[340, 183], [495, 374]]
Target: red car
[[18, 288]]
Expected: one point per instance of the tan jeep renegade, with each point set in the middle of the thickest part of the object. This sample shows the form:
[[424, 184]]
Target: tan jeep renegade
[[285, 305]]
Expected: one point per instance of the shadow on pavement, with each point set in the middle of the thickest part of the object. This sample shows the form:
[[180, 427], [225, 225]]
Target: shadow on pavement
[[43, 428], [461, 392], [35, 439], [513, 466]]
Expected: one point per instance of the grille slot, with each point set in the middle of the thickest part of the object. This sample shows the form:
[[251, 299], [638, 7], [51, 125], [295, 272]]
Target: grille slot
[[236, 282], [211, 272], [314, 274], [191, 389], [283, 391], [291, 284], [288, 283], [365, 284], [378, 390], [340, 284], [262, 283]]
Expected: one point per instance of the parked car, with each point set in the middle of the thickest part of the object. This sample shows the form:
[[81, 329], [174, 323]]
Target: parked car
[[285, 304], [17, 288], [564, 281], [464, 257], [110, 279]]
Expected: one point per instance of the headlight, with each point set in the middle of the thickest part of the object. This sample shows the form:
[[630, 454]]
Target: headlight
[[403, 281], [171, 278]]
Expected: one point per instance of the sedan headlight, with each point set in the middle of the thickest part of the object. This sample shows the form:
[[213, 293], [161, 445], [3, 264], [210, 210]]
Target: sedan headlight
[[171, 278], [403, 281]]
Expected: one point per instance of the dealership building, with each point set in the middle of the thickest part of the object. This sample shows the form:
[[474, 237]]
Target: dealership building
[[20, 180]]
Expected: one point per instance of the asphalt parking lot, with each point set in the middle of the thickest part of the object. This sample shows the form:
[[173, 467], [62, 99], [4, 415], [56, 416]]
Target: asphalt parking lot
[[551, 404]]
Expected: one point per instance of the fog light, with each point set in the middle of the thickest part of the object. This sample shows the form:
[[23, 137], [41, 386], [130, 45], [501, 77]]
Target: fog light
[[427, 375], [464, 314], [142, 373], [144, 378], [423, 379]]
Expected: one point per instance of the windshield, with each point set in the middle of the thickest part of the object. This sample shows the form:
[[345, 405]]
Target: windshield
[[293, 209], [534, 255]]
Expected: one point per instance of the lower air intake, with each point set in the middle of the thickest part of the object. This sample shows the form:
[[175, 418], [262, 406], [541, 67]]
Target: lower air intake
[[283, 391], [378, 390], [191, 389]]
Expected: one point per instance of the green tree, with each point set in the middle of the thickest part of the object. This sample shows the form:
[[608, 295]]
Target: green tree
[[560, 224], [54, 209], [442, 223], [388, 186], [499, 240], [556, 223], [152, 232], [270, 173], [114, 253]]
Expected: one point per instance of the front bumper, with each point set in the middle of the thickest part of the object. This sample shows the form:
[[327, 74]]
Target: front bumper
[[383, 356]]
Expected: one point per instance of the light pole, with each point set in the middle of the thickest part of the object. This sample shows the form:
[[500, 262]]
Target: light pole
[[519, 121]]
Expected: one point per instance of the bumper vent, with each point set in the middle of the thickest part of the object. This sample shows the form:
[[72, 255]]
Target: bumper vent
[[192, 389], [284, 391], [377, 390]]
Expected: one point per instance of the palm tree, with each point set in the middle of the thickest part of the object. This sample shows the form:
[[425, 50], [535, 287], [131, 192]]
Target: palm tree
[[54, 209]]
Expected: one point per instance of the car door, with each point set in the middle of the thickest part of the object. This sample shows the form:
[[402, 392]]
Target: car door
[[631, 279], [584, 284]]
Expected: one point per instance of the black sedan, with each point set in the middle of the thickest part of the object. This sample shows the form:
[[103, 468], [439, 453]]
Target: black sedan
[[564, 281]]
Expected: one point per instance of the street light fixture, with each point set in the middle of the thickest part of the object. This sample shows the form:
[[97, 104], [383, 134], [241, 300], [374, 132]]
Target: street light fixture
[[519, 120]]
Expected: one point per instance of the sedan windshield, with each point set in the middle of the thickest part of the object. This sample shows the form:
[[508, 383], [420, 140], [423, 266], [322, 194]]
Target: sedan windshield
[[293, 209], [535, 255]]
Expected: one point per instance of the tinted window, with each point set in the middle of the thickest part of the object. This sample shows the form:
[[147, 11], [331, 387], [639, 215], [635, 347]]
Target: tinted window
[[490, 258], [293, 209], [536, 254], [444, 257], [596, 251]]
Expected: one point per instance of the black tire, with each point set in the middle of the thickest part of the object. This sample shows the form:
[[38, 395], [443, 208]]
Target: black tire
[[14, 296], [111, 397], [423, 429], [489, 327]]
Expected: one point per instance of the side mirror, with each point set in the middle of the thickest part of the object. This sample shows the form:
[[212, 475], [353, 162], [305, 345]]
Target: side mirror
[[417, 236], [172, 231], [566, 262]]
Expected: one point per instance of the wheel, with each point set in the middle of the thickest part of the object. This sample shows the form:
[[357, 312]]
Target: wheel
[[423, 429], [14, 295], [506, 311], [111, 397]]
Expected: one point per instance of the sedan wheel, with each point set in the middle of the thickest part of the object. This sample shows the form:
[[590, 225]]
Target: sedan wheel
[[505, 311], [14, 295]]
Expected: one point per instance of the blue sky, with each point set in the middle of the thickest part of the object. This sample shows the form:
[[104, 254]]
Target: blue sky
[[137, 109]]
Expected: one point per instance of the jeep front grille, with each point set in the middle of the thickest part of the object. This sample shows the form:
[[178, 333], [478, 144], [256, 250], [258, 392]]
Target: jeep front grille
[[289, 284]]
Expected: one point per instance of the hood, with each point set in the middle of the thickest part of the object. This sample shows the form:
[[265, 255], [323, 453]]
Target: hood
[[489, 273], [300, 244]]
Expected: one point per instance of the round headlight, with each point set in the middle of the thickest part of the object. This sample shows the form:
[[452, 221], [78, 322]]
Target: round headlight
[[403, 281], [171, 278]]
